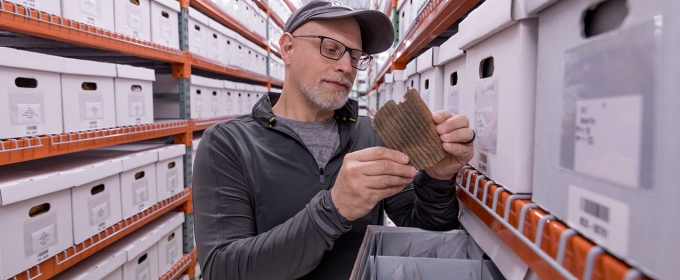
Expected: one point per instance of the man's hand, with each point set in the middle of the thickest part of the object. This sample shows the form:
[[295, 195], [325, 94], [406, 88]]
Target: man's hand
[[367, 177], [454, 131]]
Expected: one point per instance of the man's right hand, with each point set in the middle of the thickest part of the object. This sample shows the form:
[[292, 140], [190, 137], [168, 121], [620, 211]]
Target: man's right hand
[[367, 177]]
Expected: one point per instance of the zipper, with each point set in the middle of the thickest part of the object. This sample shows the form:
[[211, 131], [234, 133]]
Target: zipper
[[322, 178]]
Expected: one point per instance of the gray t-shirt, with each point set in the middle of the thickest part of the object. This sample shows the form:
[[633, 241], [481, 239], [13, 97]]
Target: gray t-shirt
[[321, 138]]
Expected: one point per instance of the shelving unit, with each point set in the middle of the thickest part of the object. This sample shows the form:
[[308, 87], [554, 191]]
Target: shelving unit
[[42, 28], [54, 265]]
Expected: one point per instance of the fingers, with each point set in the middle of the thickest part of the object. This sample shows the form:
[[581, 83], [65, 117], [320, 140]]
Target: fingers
[[386, 182], [453, 123], [441, 116], [461, 151], [458, 136], [386, 167], [379, 153]]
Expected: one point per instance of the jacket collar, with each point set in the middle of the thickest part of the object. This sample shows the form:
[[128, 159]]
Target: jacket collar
[[262, 111]]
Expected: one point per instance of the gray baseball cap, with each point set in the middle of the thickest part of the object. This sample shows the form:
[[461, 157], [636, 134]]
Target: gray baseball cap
[[377, 34]]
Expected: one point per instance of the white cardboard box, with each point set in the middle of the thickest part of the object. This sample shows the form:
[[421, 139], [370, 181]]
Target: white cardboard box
[[96, 13], [138, 182], [170, 171], [41, 226], [230, 95], [194, 147], [400, 81], [454, 80], [134, 95], [241, 99], [404, 18], [48, 6], [226, 36], [205, 97], [165, 22], [133, 18], [431, 79], [31, 88], [276, 67], [215, 43], [240, 51], [250, 96], [389, 86], [248, 58], [246, 16], [170, 250], [502, 53], [105, 264], [97, 205], [593, 90], [88, 95], [259, 59], [198, 32], [144, 266], [413, 80]]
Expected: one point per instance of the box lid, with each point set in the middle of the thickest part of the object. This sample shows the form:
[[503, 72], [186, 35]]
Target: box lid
[[534, 6], [135, 73], [250, 88], [389, 78], [399, 75], [488, 19], [259, 49], [165, 79], [206, 82], [411, 68], [240, 86], [260, 89], [449, 50], [144, 238], [276, 59], [220, 28], [198, 16], [172, 4], [96, 266], [88, 68], [29, 60], [427, 60], [171, 151], [229, 85]]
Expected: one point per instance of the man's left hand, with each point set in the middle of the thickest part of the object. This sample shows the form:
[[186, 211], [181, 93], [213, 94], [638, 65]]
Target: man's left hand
[[454, 131]]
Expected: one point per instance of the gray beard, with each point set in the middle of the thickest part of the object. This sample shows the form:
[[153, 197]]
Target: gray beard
[[328, 102]]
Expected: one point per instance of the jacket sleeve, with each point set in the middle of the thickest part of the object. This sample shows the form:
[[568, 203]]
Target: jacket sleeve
[[225, 229], [425, 203]]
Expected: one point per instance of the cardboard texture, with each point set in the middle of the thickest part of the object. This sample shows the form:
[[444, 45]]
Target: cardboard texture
[[95, 13], [408, 127], [613, 75], [133, 18], [134, 95], [31, 89], [198, 32], [164, 17]]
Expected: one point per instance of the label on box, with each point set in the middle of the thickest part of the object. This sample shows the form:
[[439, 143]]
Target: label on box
[[43, 238], [215, 104], [94, 110], [136, 109], [229, 105], [198, 40], [600, 218], [215, 50], [29, 3], [608, 119], [166, 31], [486, 115], [99, 208], [483, 163], [171, 255], [171, 181], [100, 212], [143, 272], [599, 148], [198, 104], [454, 100], [92, 8], [134, 17], [29, 114], [426, 97], [140, 192]]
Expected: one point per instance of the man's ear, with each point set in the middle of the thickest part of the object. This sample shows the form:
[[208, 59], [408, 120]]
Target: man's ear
[[287, 47]]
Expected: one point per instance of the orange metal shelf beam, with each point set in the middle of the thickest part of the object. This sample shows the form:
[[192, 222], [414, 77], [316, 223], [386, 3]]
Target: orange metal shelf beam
[[276, 19], [71, 256], [214, 12], [435, 18], [15, 18], [186, 265], [577, 247], [198, 62], [18, 150], [276, 82]]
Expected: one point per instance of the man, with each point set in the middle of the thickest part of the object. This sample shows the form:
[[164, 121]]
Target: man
[[287, 191]]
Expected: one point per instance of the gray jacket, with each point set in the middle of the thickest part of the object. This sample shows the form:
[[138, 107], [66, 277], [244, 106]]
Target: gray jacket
[[263, 208]]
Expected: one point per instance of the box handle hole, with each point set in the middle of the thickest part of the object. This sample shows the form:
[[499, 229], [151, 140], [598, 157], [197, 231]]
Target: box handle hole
[[141, 259], [171, 165], [135, 2], [604, 17], [89, 86], [136, 88], [26, 82], [171, 237], [97, 189], [165, 14], [139, 175], [486, 68], [454, 78], [39, 210], [197, 27], [198, 91], [427, 84]]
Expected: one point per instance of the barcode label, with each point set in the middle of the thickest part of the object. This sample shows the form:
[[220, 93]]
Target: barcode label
[[595, 209], [42, 253], [600, 218], [93, 123], [483, 158], [32, 127]]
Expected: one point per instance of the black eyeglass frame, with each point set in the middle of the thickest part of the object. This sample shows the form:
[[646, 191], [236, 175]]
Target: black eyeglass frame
[[368, 62]]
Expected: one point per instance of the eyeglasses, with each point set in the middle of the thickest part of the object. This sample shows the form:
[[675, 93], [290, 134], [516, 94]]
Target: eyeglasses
[[333, 49]]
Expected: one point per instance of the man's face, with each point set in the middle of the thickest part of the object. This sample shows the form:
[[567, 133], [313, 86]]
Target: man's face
[[324, 82]]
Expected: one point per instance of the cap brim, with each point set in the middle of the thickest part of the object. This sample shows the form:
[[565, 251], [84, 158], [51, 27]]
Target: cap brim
[[377, 33]]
